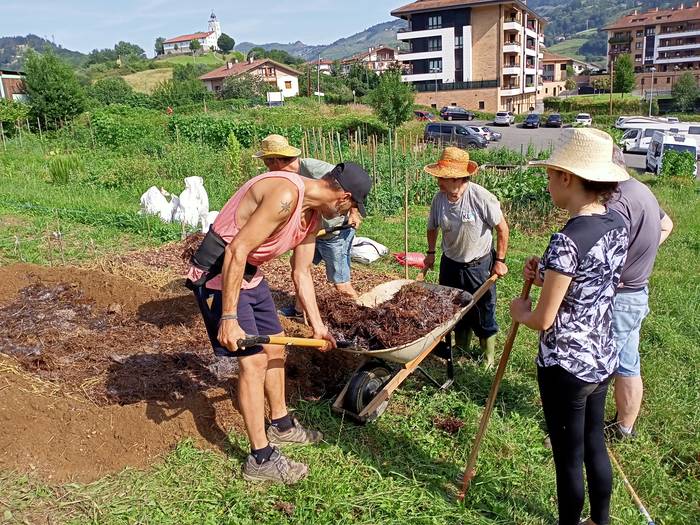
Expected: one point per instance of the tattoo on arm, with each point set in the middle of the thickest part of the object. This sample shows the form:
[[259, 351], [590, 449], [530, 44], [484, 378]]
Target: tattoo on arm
[[285, 207]]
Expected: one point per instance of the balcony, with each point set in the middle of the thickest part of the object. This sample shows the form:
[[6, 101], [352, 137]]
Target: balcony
[[509, 90], [410, 35], [512, 46], [512, 26], [680, 47], [680, 34], [511, 70], [453, 86], [676, 60], [423, 55], [622, 39], [531, 50]]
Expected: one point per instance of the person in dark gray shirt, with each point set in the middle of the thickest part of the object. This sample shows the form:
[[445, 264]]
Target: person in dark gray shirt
[[648, 226]]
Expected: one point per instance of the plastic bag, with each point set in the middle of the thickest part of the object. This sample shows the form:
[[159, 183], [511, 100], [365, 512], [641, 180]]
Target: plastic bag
[[153, 202], [414, 259], [194, 202], [366, 251]]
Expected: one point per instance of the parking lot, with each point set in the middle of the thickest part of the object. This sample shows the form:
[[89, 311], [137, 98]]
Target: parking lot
[[515, 137]]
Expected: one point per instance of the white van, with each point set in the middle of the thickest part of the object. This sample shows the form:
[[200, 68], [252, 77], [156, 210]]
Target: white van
[[663, 142], [637, 137]]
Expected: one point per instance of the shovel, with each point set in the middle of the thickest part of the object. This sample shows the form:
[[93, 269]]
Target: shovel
[[345, 226], [253, 340]]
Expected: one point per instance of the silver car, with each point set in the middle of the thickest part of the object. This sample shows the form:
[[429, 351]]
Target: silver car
[[504, 118]]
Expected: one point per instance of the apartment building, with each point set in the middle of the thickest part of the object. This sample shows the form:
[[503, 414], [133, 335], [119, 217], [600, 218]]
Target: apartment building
[[480, 54], [554, 71], [667, 40]]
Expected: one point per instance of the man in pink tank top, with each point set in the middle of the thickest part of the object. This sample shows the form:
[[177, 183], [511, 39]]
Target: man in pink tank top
[[271, 214]]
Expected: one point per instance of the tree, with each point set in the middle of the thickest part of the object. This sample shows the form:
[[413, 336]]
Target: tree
[[601, 83], [226, 43], [623, 81], [189, 71], [246, 86], [127, 50], [173, 93], [111, 90], [54, 92], [685, 92], [392, 100], [159, 49], [195, 45], [570, 84]]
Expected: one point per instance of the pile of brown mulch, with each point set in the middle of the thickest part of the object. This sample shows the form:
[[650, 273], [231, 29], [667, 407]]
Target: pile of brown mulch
[[412, 313]]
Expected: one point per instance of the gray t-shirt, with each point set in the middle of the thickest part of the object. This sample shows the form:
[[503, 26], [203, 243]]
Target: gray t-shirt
[[642, 214], [316, 169], [466, 224]]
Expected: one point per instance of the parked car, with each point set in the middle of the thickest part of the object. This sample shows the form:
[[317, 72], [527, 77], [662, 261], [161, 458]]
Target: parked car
[[495, 135], [532, 121], [554, 121], [426, 116], [583, 119], [458, 135], [456, 113], [504, 118], [481, 131]]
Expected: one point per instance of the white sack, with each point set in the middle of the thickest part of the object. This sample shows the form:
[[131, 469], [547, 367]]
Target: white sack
[[153, 202], [366, 251]]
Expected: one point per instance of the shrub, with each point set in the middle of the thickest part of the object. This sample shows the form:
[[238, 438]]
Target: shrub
[[392, 100], [123, 126], [248, 86], [174, 93], [235, 156], [629, 106], [111, 90], [678, 164], [11, 113]]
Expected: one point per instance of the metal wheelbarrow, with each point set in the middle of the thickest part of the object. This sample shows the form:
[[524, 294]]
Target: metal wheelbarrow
[[365, 396]]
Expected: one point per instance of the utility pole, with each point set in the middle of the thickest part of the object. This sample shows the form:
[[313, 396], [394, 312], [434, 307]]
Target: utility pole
[[612, 68], [651, 94]]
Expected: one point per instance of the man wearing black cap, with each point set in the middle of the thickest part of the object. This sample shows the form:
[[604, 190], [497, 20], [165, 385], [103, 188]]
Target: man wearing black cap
[[271, 214]]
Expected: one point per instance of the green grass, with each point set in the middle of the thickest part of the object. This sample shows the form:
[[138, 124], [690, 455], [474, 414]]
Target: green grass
[[210, 59], [569, 48], [399, 469], [593, 99]]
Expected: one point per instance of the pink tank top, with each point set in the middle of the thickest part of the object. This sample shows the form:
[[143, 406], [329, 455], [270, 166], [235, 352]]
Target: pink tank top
[[280, 242]]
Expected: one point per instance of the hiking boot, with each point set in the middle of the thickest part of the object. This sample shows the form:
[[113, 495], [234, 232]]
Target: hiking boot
[[488, 348], [295, 435], [278, 469], [614, 432], [290, 312], [547, 442]]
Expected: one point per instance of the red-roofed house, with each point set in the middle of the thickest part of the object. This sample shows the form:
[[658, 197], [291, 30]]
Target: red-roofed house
[[279, 75], [207, 39], [12, 85], [378, 59]]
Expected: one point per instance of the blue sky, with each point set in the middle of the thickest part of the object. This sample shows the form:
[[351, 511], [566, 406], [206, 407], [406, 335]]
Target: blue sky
[[87, 24]]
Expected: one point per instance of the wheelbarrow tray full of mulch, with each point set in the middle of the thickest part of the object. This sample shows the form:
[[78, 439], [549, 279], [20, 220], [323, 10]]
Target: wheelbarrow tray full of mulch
[[366, 395]]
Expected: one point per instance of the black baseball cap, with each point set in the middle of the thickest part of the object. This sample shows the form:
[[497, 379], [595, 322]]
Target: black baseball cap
[[355, 180]]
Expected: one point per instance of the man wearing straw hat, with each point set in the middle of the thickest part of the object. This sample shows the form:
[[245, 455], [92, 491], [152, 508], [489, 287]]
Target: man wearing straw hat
[[467, 214], [334, 247], [269, 215]]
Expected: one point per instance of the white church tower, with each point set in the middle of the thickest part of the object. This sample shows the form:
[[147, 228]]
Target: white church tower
[[214, 25]]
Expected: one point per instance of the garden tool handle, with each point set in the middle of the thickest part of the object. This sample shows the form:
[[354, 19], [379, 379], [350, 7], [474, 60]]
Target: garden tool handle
[[470, 470], [253, 340]]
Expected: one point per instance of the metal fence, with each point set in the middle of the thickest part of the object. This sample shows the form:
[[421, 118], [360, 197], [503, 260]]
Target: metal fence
[[452, 86]]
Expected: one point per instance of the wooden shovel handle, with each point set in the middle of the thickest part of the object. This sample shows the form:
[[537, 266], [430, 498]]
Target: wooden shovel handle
[[280, 340]]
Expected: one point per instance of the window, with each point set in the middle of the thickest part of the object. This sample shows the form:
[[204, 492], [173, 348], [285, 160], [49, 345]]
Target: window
[[650, 31], [637, 58], [435, 22], [435, 44], [435, 66], [638, 45], [668, 80], [482, 105], [562, 67], [656, 80], [287, 84], [640, 33], [459, 42], [546, 90]]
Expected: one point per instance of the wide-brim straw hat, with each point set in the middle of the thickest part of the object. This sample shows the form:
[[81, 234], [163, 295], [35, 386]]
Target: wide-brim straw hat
[[587, 153], [276, 146], [454, 163]]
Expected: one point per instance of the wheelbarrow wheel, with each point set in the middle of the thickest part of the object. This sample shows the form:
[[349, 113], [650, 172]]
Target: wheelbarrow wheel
[[363, 386]]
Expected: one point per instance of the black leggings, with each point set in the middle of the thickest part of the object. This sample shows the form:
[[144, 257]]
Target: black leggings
[[575, 411]]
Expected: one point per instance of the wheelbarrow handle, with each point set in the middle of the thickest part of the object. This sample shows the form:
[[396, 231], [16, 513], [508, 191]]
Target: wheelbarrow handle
[[345, 226], [253, 340]]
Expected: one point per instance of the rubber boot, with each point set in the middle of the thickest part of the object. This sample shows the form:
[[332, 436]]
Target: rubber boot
[[463, 339], [488, 348]]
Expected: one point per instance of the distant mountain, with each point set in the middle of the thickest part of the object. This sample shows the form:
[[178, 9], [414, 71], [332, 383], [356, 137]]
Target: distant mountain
[[13, 48], [380, 34]]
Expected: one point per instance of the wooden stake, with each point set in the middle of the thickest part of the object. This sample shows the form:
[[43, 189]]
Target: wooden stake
[[19, 129], [469, 471], [2, 134], [340, 147], [405, 221]]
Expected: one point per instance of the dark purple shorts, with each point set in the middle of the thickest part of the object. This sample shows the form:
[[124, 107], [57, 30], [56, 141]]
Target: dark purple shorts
[[257, 315]]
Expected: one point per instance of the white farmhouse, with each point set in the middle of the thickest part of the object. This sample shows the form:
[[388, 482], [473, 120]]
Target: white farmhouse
[[207, 39]]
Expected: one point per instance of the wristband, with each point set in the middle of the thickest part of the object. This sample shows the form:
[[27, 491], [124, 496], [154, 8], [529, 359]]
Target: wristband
[[229, 317], [503, 260], [430, 252]]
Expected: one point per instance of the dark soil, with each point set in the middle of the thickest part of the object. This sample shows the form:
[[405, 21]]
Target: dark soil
[[448, 424], [412, 313]]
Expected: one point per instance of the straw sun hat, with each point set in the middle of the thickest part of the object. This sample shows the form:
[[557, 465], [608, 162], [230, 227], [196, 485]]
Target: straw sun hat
[[454, 163], [276, 146], [587, 153]]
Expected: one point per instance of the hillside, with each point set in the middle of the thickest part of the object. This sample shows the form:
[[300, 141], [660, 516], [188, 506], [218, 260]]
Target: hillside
[[13, 48], [379, 34]]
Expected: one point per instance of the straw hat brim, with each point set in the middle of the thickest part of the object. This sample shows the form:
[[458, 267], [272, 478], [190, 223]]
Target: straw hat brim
[[289, 151], [449, 172], [606, 171]]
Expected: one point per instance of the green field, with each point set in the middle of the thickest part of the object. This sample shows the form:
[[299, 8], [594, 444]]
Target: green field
[[400, 469], [210, 59], [569, 48]]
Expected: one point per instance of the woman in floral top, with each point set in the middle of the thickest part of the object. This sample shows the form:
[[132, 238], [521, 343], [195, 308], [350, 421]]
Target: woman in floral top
[[579, 274]]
